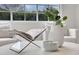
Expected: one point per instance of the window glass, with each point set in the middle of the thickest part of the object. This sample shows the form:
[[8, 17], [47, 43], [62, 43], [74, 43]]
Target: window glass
[[41, 8], [3, 7], [18, 16], [30, 16], [42, 17], [4, 16], [30, 8], [21, 8], [54, 6]]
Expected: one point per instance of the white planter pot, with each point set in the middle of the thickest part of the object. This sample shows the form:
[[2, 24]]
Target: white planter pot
[[55, 33]]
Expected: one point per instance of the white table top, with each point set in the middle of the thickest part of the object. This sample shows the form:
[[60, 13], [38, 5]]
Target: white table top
[[67, 49]]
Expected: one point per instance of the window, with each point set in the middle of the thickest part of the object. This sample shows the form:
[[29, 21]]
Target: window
[[30, 16], [18, 16], [27, 12], [4, 16]]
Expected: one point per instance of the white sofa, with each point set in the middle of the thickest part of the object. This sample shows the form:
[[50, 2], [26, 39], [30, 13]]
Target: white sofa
[[25, 26], [6, 35], [5, 41], [73, 36]]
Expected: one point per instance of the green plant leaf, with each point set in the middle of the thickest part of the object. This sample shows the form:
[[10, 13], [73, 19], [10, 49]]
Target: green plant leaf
[[53, 15], [61, 24], [58, 22], [57, 17], [48, 14], [64, 18], [54, 11], [51, 18]]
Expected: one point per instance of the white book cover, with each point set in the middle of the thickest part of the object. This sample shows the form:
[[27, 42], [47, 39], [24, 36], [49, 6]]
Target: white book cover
[[17, 47], [30, 35]]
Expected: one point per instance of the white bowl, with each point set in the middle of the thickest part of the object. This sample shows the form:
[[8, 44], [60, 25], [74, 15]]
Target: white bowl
[[50, 46]]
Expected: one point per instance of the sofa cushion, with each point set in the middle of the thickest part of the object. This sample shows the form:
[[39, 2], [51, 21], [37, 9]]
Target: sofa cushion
[[6, 33], [4, 27], [4, 41]]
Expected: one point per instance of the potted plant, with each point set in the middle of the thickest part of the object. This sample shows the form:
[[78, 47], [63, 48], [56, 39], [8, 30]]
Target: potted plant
[[56, 23]]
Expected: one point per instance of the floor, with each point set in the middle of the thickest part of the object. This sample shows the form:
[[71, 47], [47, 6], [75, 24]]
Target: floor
[[67, 49]]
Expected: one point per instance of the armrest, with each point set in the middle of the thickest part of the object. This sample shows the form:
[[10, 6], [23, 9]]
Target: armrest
[[72, 33], [72, 36]]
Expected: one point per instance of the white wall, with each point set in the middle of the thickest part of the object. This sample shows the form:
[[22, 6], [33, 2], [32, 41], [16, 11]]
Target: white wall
[[77, 15], [70, 11]]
